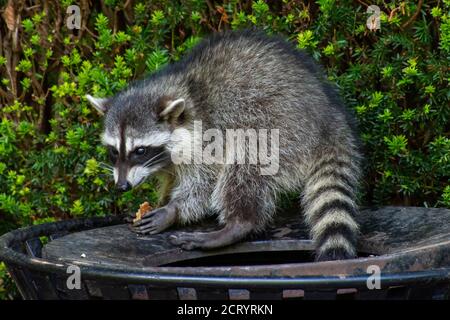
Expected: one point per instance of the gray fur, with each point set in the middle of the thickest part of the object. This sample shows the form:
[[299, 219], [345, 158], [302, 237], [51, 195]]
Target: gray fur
[[249, 80]]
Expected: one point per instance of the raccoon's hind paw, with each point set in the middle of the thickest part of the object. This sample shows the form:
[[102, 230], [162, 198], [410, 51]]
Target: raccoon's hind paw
[[231, 233], [334, 254], [155, 221], [190, 240]]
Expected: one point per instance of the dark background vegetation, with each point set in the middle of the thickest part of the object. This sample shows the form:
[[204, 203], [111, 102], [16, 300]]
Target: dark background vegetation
[[395, 79]]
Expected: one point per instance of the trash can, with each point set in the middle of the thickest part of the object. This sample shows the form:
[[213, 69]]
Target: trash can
[[404, 253]]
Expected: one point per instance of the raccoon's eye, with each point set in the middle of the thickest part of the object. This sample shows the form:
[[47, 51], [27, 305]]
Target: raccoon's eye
[[113, 153], [140, 151]]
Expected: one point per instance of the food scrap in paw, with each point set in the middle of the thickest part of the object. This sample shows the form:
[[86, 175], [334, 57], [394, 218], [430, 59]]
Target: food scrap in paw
[[143, 209]]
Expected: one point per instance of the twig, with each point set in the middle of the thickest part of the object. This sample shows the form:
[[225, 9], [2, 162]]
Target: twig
[[414, 16], [5, 94], [127, 3], [90, 32], [363, 3], [126, 11], [32, 7], [210, 6]]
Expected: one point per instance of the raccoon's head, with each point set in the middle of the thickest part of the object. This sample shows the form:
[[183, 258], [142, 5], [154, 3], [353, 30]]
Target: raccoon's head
[[137, 132]]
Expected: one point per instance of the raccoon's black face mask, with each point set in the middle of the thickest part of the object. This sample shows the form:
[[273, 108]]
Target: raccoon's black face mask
[[131, 168], [137, 146]]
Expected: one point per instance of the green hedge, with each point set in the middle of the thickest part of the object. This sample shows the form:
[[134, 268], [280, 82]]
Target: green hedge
[[396, 80]]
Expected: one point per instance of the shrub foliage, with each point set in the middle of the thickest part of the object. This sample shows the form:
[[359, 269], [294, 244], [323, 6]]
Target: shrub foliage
[[396, 80]]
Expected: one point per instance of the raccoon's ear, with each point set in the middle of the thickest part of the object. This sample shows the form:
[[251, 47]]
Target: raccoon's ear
[[173, 109], [98, 103]]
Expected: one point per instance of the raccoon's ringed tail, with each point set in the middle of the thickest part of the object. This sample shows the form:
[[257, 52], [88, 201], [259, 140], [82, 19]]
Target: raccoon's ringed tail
[[329, 204]]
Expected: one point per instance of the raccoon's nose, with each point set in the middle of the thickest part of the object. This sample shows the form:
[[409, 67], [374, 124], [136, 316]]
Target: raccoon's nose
[[124, 186]]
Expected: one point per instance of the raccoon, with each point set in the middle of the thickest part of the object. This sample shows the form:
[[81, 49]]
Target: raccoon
[[239, 79]]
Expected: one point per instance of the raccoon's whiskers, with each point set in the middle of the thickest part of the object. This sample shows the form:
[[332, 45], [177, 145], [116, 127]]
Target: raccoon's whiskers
[[154, 157], [106, 167], [154, 162], [149, 162]]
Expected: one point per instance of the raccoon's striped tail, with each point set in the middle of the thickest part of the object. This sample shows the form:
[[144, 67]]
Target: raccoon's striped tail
[[329, 202]]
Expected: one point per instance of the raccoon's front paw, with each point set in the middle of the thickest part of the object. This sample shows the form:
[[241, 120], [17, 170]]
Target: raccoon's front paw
[[190, 240], [155, 221]]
